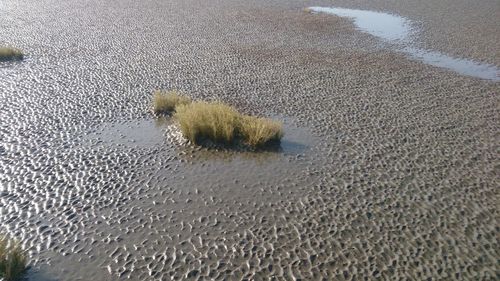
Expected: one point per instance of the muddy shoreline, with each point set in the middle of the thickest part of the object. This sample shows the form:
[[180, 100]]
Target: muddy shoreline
[[392, 171]]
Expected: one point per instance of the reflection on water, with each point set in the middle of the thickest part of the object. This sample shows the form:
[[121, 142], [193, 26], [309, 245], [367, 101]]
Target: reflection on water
[[397, 30], [138, 133], [462, 66], [148, 133], [385, 26], [295, 142]]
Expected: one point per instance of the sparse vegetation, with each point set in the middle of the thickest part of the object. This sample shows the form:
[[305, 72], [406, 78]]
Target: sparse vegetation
[[201, 120], [7, 53], [166, 102], [222, 123], [215, 121], [13, 260], [258, 131]]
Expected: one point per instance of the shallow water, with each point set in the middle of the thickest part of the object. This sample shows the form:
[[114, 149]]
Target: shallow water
[[398, 30], [138, 133], [385, 26], [147, 133], [462, 66]]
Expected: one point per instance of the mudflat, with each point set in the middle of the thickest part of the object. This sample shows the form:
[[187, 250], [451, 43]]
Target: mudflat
[[388, 168]]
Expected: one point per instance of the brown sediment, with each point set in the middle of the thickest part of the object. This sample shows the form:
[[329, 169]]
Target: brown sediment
[[388, 168], [460, 34]]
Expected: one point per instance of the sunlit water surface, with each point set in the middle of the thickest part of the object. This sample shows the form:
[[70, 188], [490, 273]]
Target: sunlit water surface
[[398, 30]]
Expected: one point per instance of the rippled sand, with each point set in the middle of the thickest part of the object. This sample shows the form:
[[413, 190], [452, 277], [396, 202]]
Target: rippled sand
[[389, 167]]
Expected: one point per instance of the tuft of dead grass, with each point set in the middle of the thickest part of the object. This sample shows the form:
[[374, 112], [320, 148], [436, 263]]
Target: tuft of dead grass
[[259, 131], [201, 120], [13, 260], [216, 121], [7, 53], [222, 123], [166, 102]]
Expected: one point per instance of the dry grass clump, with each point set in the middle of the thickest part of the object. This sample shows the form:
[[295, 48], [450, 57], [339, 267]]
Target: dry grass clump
[[201, 120], [13, 260], [259, 131], [222, 123], [166, 102], [215, 121], [7, 53]]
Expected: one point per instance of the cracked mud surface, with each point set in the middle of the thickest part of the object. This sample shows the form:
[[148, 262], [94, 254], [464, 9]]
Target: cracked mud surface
[[389, 167]]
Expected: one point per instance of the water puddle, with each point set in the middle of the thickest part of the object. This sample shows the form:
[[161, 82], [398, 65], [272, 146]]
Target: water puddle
[[385, 26], [138, 133], [151, 132], [462, 66], [397, 30], [297, 141]]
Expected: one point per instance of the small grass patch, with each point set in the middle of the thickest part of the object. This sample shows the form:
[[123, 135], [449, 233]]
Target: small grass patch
[[259, 131], [221, 123], [13, 260], [217, 122], [214, 121], [7, 53], [166, 102]]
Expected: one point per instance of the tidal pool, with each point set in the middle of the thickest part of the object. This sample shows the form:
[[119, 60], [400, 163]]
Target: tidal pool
[[398, 30]]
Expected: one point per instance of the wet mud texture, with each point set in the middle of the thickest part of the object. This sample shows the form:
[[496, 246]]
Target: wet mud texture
[[390, 170], [453, 27]]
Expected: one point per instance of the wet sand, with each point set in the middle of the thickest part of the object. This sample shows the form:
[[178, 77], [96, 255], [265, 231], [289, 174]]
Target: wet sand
[[389, 168]]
